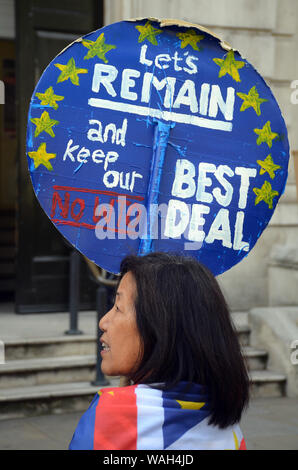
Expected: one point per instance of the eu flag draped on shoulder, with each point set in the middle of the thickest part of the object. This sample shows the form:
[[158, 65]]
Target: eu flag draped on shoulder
[[139, 417]]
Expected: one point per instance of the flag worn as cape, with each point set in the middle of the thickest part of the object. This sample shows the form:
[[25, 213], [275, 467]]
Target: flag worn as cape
[[140, 417]]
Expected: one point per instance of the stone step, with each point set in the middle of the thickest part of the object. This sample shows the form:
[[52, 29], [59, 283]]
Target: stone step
[[49, 370], [243, 332], [240, 318], [266, 383], [59, 346], [31, 372], [241, 323], [46, 399], [28, 348], [58, 398], [256, 359]]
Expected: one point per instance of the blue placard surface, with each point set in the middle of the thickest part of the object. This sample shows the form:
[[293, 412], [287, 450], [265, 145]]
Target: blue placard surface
[[144, 137]]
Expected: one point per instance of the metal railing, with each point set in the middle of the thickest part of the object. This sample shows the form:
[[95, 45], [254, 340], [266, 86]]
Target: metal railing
[[74, 291], [100, 276], [103, 280]]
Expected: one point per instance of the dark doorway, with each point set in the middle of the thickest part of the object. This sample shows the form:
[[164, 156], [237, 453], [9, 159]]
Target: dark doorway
[[8, 170], [43, 29]]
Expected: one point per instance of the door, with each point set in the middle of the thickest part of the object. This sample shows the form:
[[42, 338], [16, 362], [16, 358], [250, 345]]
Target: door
[[8, 169], [44, 28]]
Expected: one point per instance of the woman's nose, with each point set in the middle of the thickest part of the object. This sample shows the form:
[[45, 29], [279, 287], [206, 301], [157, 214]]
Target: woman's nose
[[103, 322]]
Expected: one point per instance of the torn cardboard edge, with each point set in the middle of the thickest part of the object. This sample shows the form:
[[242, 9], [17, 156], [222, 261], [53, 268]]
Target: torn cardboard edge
[[163, 23], [185, 24]]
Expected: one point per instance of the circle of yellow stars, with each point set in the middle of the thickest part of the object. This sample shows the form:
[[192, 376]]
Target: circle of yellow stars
[[99, 48]]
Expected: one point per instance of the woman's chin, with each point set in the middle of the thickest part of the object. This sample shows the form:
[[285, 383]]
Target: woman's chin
[[112, 372], [106, 370]]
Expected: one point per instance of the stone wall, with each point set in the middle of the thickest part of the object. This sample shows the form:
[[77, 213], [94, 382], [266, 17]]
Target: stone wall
[[7, 19], [266, 33]]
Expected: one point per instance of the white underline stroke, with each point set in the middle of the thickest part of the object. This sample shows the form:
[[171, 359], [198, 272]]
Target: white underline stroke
[[157, 113]]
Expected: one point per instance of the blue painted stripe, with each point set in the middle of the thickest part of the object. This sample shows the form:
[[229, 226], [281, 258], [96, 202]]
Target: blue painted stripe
[[161, 137]]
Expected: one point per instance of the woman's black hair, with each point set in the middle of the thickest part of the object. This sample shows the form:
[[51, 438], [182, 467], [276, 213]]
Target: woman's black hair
[[187, 333]]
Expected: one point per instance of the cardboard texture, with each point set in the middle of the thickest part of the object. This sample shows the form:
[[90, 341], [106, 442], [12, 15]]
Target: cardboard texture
[[156, 135]]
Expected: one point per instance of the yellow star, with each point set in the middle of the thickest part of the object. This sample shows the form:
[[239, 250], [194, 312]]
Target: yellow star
[[148, 32], [44, 123], [266, 194], [268, 165], [98, 48], [70, 71], [190, 405], [236, 441], [49, 98], [265, 135], [252, 99], [41, 157], [100, 392], [190, 37], [230, 65]]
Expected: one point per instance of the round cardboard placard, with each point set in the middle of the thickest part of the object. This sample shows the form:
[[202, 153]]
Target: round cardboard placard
[[149, 136]]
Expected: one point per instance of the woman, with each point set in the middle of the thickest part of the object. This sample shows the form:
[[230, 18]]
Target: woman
[[170, 334]]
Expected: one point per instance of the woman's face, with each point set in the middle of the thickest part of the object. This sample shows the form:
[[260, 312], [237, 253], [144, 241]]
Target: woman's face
[[121, 340]]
